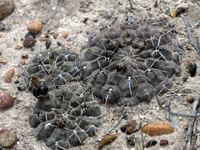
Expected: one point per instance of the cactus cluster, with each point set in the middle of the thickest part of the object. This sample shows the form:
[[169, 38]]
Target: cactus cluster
[[65, 113], [125, 63], [129, 63]]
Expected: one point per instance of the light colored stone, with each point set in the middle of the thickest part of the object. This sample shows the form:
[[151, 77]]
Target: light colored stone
[[8, 138], [35, 26]]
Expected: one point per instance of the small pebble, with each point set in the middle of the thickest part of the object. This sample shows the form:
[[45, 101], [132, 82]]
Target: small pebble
[[17, 81], [85, 20], [46, 35], [24, 56], [189, 47], [6, 101], [163, 142], [35, 26], [59, 43], [184, 79], [30, 34], [48, 43], [193, 68], [151, 143], [29, 42], [50, 32], [8, 138], [65, 35], [130, 127], [9, 75], [106, 140], [190, 99], [19, 47], [5, 61], [6, 8], [131, 139], [55, 35], [43, 39], [23, 62], [186, 126], [123, 128]]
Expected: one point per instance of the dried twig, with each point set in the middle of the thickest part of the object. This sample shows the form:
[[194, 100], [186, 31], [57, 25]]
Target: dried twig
[[52, 11], [122, 115], [197, 2], [191, 131], [130, 4], [176, 113], [189, 34]]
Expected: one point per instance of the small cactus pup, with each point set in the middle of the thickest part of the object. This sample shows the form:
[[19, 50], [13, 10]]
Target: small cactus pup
[[40, 88]]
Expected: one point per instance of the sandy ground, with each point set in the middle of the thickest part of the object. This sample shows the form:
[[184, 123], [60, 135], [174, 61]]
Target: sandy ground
[[69, 18]]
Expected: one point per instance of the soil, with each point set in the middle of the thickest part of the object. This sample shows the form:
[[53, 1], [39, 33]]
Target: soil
[[69, 17]]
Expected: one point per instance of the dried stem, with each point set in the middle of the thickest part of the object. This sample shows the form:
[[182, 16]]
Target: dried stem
[[189, 34], [191, 130], [176, 113]]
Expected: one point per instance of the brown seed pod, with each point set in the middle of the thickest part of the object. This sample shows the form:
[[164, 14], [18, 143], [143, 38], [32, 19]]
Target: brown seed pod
[[6, 101], [9, 75]]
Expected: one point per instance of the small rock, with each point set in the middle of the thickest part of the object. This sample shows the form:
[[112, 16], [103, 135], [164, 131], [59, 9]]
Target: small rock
[[55, 35], [59, 43], [130, 127], [190, 99], [151, 143], [193, 69], [163, 142], [6, 8], [131, 139], [48, 43], [106, 140], [8, 138], [24, 56], [9, 75], [5, 61], [23, 62], [184, 79], [29, 42], [29, 34], [19, 47], [17, 81], [157, 129], [186, 126], [85, 20], [65, 35], [46, 35], [6, 101], [35, 26], [123, 128], [43, 39], [189, 47], [51, 32]]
